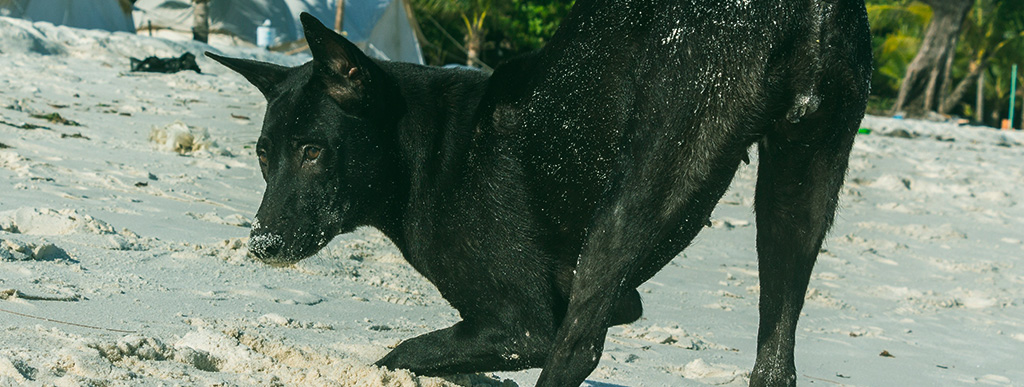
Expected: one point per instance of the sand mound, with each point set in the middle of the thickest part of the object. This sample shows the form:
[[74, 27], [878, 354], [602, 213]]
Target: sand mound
[[230, 220], [713, 374], [18, 36], [11, 250], [45, 221], [253, 358]]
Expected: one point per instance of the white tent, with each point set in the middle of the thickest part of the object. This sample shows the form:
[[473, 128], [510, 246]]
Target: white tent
[[235, 17], [382, 28], [110, 15]]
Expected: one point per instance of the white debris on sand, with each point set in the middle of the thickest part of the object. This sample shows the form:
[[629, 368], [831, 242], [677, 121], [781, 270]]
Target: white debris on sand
[[123, 259], [180, 138]]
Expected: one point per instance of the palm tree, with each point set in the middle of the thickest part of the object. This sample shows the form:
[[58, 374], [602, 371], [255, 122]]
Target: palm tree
[[994, 30], [991, 37], [473, 14], [997, 82], [896, 29], [934, 60]]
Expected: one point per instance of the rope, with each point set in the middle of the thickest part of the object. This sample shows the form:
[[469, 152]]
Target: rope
[[65, 322]]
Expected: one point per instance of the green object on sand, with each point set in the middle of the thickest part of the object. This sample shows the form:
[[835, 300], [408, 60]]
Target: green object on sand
[[864, 131]]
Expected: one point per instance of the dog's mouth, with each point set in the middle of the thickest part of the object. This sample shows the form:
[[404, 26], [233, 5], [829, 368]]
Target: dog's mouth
[[284, 243]]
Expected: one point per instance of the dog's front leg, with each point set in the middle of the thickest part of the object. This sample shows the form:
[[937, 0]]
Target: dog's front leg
[[603, 277], [469, 347], [630, 240]]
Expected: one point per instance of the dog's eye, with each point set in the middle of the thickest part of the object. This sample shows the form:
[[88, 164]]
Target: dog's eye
[[263, 158], [311, 153]]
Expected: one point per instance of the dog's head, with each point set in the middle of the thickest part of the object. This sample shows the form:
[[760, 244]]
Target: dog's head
[[323, 145]]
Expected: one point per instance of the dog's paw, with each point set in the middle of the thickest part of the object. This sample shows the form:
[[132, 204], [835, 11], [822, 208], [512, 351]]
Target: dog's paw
[[765, 378], [803, 105]]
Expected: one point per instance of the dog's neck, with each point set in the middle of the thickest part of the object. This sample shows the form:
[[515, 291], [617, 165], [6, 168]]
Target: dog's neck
[[438, 113]]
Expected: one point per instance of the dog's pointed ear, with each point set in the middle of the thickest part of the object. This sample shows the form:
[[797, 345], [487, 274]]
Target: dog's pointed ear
[[265, 76], [343, 67]]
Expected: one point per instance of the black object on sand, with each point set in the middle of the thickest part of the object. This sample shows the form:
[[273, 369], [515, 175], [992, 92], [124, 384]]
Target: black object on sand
[[152, 64]]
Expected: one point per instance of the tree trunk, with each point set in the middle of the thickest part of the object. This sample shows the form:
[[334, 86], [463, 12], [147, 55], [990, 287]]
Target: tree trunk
[[474, 41], [979, 104], [921, 85], [201, 21], [949, 102], [947, 78], [929, 92]]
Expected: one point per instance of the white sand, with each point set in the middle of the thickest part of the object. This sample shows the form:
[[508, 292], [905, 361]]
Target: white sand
[[124, 239]]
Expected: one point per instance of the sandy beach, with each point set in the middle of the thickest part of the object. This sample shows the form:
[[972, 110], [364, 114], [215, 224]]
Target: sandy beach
[[126, 201]]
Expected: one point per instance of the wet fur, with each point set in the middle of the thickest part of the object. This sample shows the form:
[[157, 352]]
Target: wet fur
[[538, 198]]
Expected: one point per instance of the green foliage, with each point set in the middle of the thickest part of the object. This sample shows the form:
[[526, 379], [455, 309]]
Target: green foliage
[[510, 27], [529, 24], [879, 105], [443, 25], [992, 37], [896, 28], [996, 29]]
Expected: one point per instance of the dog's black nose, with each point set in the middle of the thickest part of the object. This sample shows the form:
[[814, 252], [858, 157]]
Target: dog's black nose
[[266, 246]]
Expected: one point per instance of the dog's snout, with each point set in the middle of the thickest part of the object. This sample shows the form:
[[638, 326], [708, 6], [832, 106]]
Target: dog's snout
[[265, 246]]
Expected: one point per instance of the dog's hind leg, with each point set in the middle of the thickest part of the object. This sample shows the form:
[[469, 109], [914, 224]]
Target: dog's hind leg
[[797, 191]]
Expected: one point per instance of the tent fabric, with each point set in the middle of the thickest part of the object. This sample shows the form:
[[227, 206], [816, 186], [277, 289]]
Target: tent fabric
[[393, 35], [380, 27], [238, 17], [92, 14]]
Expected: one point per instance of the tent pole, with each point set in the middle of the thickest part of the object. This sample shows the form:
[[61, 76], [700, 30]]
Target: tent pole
[[339, 16], [411, 17]]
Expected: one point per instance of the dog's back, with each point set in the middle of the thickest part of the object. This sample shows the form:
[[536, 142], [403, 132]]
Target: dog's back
[[694, 65]]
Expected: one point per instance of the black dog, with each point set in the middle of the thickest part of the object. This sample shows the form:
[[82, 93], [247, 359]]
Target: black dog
[[538, 198]]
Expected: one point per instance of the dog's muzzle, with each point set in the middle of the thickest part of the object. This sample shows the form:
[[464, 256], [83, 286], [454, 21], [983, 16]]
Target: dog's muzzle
[[268, 248]]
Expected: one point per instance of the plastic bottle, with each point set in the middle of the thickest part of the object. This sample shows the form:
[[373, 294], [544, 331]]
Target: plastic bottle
[[265, 34]]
